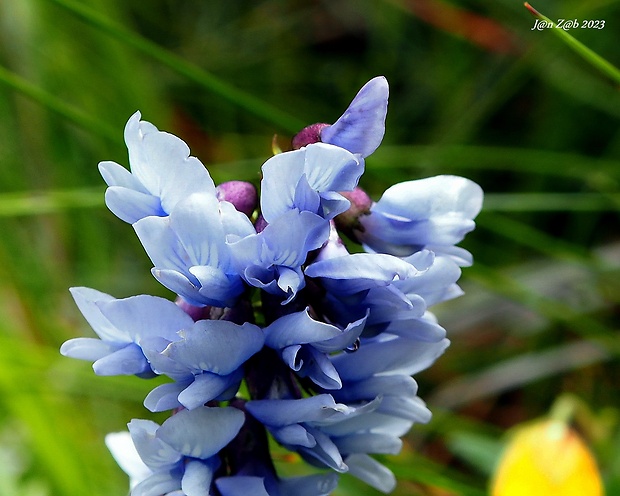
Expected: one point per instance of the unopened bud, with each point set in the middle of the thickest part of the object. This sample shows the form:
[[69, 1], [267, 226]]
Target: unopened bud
[[349, 221], [260, 224], [241, 194]]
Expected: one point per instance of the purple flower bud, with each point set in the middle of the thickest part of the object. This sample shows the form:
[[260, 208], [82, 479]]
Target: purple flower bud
[[195, 312], [349, 221], [260, 224], [241, 194], [308, 135]]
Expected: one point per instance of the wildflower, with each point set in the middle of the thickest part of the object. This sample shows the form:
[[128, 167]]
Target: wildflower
[[205, 362], [122, 327], [305, 345], [309, 179], [182, 453], [433, 213], [275, 326], [272, 259], [162, 174], [190, 251]]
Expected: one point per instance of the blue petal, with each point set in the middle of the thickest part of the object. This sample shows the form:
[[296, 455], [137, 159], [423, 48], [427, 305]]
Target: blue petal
[[90, 349], [371, 472], [311, 485], [146, 316], [360, 271], [371, 387], [198, 476], [369, 442], [293, 435], [398, 355], [408, 324], [207, 387], [127, 361], [216, 346], [412, 408], [360, 129], [300, 328], [131, 206], [280, 413], [115, 175], [155, 453], [321, 370], [164, 397], [325, 452], [202, 432], [241, 485], [158, 484], [86, 300]]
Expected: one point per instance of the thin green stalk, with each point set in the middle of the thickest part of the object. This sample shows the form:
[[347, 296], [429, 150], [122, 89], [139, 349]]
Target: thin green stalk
[[241, 99], [587, 54], [54, 104]]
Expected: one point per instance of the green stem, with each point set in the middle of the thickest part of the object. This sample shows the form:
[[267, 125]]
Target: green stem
[[241, 99], [588, 55]]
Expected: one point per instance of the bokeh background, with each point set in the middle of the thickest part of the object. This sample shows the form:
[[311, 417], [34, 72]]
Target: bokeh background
[[474, 92]]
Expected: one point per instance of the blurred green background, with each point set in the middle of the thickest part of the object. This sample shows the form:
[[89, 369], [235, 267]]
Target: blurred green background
[[474, 92]]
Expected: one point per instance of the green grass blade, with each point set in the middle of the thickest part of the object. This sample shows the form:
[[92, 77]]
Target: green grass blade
[[542, 202], [18, 204], [586, 53], [237, 97], [58, 106]]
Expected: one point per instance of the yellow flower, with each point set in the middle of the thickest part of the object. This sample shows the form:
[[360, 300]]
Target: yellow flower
[[547, 458]]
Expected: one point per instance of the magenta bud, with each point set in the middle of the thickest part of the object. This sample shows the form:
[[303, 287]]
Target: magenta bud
[[241, 194], [196, 313], [260, 223], [349, 221], [308, 135]]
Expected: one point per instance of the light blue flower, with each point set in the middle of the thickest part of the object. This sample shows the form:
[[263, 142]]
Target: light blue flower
[[383, 367], [294, 424], [162, 173], [123, 326], [190, 251], [308, 179], [361, 127], [335, 435], [305, 345], [356, 282], [182, 453], [272, 259], [205, 362], [433, 213]]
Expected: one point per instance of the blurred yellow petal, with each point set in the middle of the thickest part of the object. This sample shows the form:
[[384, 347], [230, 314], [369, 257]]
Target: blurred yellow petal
[[547, 459]]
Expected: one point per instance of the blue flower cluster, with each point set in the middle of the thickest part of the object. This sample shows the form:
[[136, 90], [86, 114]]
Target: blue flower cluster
[[277, 330]]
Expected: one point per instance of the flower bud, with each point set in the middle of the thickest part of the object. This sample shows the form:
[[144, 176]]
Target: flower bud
[[260, 224], [308, 135], [349, 221], [241, 194], [195, 312]]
